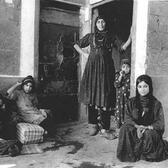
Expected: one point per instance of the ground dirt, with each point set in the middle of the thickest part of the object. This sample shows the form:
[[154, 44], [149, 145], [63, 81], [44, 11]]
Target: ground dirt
[[74, 148]]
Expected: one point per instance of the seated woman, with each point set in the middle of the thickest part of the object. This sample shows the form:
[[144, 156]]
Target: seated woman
[[9, 145], [27, 103], [7, 125], [141, 135]]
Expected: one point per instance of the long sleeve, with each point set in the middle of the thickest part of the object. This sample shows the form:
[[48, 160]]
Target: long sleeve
[[129, 119], [123, 81], [117, 82], [85, 41], [116, 42], [158, 123]]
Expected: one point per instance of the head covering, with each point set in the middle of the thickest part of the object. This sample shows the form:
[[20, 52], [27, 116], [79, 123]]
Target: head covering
[[144, 103], [96, 29], [99, 38], [28, 79], [125, 61], [147, 79]]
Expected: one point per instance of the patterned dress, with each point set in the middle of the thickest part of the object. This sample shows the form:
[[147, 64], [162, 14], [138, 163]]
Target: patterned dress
[[122, 96], [97, 84]]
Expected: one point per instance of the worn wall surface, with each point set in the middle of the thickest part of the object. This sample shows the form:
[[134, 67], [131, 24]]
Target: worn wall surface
[[60, 17], [9, 38], [18, 40], [157, 51], [79, 2]]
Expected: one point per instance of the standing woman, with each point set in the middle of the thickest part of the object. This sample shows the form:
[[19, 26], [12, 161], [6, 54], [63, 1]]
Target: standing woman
[[97, 84], [141, 135]]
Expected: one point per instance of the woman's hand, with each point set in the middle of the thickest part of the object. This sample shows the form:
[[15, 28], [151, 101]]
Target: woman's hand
[[85, 54], [123, 47], [126, 44], [140, 130], [80, 51], [11, 89], [43, 112], [18, 83]]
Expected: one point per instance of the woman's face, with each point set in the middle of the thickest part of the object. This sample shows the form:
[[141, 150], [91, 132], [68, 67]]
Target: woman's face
[[143, 88], [28, 87], [100, 24]]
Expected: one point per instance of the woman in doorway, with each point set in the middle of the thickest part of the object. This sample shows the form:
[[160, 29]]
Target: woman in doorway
[[141, 135], [97, 85]]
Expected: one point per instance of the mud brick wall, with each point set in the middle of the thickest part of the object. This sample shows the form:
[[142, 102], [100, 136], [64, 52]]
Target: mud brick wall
[[157, 52], [9, 38]]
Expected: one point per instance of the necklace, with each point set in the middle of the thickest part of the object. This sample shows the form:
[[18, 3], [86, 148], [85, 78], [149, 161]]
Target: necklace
[[100, 40]]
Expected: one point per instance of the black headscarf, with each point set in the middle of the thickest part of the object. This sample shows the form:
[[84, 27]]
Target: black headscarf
[[144, 102], [28, 79], [147, 79], [100, 36]]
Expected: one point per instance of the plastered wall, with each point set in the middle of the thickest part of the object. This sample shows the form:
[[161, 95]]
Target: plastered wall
[[157, 52], [9, 38], [18, 41]]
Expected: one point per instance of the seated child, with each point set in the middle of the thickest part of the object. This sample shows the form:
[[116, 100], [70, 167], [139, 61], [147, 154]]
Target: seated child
[[122, 84], [27, 104]]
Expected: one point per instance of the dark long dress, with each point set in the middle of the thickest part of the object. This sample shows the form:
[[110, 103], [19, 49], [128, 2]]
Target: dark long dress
[[122, 96], [7, 125], [151, 146], [97, 84]]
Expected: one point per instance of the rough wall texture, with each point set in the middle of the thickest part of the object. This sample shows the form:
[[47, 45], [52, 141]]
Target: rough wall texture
[[9, 38], [7, 82], [157, 51]]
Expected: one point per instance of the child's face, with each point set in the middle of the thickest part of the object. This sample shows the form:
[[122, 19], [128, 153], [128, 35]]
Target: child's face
[[100, 24], [143, 88], [125, 68], [28, 87]]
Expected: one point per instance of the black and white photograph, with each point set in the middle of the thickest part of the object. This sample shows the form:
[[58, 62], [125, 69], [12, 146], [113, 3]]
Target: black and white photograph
[[83, 83]]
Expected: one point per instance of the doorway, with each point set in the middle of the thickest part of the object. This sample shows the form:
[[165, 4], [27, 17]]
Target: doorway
[[118, 16], [58, 62]]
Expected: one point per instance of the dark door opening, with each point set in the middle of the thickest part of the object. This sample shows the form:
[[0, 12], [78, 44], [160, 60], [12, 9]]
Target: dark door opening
[[58, 70], [118, 16]]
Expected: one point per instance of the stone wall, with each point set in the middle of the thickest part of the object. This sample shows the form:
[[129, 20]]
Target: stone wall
[[157, 52]]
